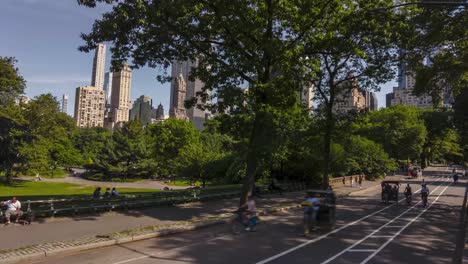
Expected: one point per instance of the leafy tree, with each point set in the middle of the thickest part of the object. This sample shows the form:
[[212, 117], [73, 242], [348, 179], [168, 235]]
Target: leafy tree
[[442, 140], [201, 160], [367, 157], [461, 119], [13, 134], [126, 154], [168, 139], [448, 52], [89, 141], [264, 45], [399, 128], [12, 83]]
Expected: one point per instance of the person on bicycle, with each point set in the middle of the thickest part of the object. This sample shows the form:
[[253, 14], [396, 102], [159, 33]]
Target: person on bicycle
[[424, 191], [311, 208], [250, 214], [408, 191]]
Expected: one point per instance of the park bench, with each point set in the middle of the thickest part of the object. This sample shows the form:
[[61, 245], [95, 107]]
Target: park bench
[[74, 206]]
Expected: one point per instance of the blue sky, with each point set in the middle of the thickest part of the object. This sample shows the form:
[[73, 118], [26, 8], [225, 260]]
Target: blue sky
[[44, 36]]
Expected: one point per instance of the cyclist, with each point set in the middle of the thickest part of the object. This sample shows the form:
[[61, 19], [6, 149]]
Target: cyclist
[[250, 216], [311, 208], [424, 192], [408, 191]]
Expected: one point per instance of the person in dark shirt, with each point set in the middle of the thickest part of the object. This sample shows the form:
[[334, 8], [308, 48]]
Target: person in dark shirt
[[107, 194], [97, 193]]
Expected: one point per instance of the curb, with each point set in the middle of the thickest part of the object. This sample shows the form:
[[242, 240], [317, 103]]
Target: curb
[[42, 251]]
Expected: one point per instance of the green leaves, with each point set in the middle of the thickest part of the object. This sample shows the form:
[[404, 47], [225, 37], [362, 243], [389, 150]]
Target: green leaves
[[12, 84]]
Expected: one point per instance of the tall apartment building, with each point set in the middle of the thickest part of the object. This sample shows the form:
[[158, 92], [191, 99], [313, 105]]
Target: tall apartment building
[[403, 94], [99, 63], [349, 100], [142, 110], [195, 115], [65, 103], [120, 97], [178, 96], [89, 106]]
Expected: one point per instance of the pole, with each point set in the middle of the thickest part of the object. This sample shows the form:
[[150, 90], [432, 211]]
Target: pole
[[461, 234]]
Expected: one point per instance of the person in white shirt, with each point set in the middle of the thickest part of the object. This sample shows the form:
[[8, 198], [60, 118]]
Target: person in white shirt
[[13, 208]]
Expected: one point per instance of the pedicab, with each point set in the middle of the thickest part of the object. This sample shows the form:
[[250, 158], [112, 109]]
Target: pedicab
[[390, 190], [326, 212]]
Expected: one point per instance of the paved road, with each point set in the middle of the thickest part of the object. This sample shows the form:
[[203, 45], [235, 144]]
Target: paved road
[[366, 232]]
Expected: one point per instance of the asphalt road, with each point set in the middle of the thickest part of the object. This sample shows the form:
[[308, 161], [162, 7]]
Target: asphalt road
[[366, 232]]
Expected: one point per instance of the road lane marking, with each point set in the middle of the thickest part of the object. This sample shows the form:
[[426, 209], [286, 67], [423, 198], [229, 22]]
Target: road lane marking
[[362, 250], [381, 236], [394, 226], [279, 255], [406, 226], [375, 231]]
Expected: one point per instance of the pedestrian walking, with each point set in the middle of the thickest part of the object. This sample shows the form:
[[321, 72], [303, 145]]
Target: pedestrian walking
[[344, 181], [352, 181], [360, 181]]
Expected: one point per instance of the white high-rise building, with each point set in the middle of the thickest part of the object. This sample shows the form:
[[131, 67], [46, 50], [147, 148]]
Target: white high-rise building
[[99, 63], [195, 115], [120, 96], [65, 103], [89, 107]]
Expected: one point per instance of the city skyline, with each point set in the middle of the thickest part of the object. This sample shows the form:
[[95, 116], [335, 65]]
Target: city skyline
[[66, 67]]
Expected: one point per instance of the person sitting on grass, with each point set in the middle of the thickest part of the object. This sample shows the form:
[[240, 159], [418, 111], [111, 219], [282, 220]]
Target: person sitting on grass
[[13, 209], [114, 192], [107, 194]]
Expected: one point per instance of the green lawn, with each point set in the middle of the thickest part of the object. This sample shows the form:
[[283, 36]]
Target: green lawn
[[58, 173], [42, 190]]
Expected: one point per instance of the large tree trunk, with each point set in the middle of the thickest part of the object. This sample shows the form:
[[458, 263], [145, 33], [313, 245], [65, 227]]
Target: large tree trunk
[[257, 138]]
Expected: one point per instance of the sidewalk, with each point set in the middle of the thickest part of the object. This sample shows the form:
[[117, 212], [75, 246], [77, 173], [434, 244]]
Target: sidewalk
[[64, 229]]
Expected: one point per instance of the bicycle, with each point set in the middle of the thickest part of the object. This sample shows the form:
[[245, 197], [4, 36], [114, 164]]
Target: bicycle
[[424, 198], [408, 198], [242, 222]]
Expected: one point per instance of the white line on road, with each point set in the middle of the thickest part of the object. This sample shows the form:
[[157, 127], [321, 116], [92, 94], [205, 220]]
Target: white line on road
[[406, 226], [375, 231], [327, 234], [362, 250]]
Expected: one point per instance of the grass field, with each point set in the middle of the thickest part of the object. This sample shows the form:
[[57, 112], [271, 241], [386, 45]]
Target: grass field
[[42, 190]]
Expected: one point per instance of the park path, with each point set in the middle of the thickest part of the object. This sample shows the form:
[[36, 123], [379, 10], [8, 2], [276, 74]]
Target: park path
[[67, 228]]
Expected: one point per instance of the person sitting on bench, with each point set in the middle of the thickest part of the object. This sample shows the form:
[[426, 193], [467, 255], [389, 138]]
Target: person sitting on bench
[[13, 209]]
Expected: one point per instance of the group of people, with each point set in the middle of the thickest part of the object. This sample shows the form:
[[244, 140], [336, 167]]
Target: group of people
[[107, 194], [13, 208], [354, 180]]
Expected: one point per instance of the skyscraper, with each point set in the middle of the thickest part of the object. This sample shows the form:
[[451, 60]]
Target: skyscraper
[[64, 103], [160, 112], [120, 96], [142, 109], [99, 62], [89, 106], [178, 95], [195, 115]]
